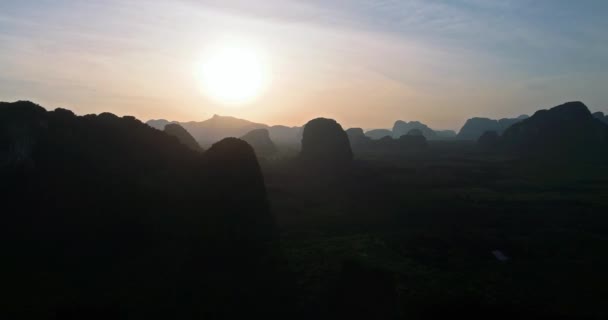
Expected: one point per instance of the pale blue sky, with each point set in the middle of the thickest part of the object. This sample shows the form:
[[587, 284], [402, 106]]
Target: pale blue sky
[[365, 63]]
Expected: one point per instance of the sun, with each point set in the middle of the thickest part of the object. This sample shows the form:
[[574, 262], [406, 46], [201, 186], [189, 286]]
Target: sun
[[234, 74]]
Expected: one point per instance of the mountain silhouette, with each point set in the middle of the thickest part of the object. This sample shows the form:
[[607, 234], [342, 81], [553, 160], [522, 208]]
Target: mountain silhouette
[[600, 116], [259, 139], [174, 129], [475, 127], [413, 140], [286, 136], [569, 130], [118, 218], [403, 127], [357, 138], [325, 144], [219, 127], [377, 134], [159, 124]]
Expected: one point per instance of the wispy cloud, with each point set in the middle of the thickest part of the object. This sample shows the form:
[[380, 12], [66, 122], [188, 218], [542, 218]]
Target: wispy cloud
[[448, 58]]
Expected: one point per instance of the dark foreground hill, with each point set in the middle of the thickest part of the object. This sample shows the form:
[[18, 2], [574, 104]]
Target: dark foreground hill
[[325, 145], [568, 130], [104, 217]]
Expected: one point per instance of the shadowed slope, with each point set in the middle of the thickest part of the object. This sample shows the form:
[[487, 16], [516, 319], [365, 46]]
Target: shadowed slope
[[325, 144], [259, 139], [568, 129], [174, 129], [109, 216]]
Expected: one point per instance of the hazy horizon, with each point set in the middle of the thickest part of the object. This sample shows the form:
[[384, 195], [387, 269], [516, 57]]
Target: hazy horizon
[[364, 63]]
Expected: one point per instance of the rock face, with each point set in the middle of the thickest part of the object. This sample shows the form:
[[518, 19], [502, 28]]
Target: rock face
[[568, 130], [325, 144], [402, 128], [489, 140], [475, 127], [174, 129], [99, 199], [378, 134], [259, 139], [600, 116]]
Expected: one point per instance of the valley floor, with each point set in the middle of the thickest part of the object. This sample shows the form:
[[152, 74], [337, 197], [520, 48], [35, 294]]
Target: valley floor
[[432, 221]]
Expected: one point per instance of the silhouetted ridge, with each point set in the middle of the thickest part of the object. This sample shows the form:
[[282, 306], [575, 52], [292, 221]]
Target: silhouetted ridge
[[259, 139], [402, 128], [358, 140], [114, 216], [219, 127], [355, 133], [174, 129], [600, 116], [378, 134], [568, 129], [475, 127], [238, 181], [158, 124], [282, 135], [19, 130], [325, 144], [413, 140]]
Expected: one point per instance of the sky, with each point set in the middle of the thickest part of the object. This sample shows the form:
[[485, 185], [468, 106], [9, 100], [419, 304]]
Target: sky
[[364, 63]]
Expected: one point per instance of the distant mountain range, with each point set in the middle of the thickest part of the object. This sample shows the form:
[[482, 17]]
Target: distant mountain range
[[476, 127], [378, 134], [218, 127], [174, 129], [600, 116]]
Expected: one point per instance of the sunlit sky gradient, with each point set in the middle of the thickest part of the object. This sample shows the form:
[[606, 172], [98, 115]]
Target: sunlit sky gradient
[[365, 63]]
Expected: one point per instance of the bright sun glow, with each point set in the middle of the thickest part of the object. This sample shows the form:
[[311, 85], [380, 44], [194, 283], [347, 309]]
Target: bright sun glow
[[234, 74]]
